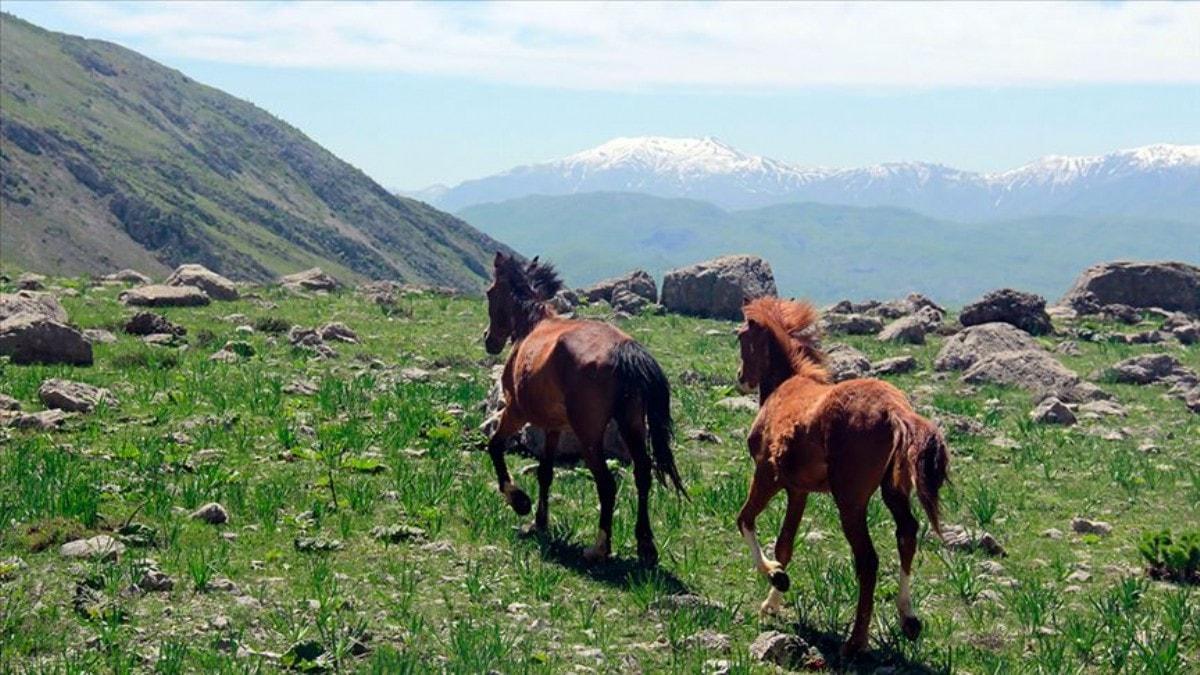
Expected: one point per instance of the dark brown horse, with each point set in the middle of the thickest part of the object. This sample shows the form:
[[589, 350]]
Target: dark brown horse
[[845, 439], [577, 375]]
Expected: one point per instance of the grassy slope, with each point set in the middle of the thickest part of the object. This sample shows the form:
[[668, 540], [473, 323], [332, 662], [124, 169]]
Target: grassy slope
[[112, 160], [822, 251], [450, 605]]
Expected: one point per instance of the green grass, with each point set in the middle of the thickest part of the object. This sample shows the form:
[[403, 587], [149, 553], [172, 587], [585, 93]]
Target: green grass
[[371, 450]]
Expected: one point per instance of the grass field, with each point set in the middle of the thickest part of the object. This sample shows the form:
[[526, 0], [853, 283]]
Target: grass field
[[320, 567]]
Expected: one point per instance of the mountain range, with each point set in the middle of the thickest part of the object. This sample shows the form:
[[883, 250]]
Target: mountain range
[[1161, 181], [111, 160]]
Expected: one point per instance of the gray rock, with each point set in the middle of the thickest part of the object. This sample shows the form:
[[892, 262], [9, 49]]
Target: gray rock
[[1030, 369], [743, 403], [1052, 411], [1104, 408], [99, 336], [100, 547], [29, 302], [781, 649], [1026, 311], [961, 538], [9, 403], [1149, 369], [149, 323], [846, 363], [214, 285], [31, 281], [211, 513], [32, 338], [337, 331], [1169, 285], [905, 330], [625, 300], [1086, 526], [708, 640], [158, 295], [73, 396], [312, 279], [638, 282], [851, 324], [154, 580], [717, 288], [45, 420], [896, 365], [128, 276], [962, 350]]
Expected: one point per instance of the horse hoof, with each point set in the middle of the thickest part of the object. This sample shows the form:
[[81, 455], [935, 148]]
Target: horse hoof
[[911, 627], [648, 554], [779, 579], [520, 502]]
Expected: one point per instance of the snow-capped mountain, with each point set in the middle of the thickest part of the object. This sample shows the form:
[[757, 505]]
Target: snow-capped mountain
[[1158, 180]]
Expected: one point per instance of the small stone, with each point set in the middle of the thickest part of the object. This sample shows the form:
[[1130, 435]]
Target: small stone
[[1079, 576], [155, 581], [1052, 533], [1085, 526], [702, 436], [710, 640], [742, 403], [211, 513], [99, 336], [413, 374], [897, 365], [73, 396], [781, 649], [991, 568], [1053, 411], [100, 547]]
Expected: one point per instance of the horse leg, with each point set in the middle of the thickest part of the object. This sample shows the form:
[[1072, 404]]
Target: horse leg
[[906, 541], [786, 542], [633, 432], [545, 475], [509, 425], [606, 489], [762, 488], [866, 566]]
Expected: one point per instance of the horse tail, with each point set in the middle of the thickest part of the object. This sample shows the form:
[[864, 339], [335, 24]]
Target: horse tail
[[638, 372], [920, 445]]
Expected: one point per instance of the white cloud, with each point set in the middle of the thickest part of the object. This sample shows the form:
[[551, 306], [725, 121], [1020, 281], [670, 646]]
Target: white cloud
[[735, 45]]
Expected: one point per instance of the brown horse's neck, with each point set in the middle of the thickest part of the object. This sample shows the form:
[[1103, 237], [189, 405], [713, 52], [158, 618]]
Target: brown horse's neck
[[527, 318], [782, 367]]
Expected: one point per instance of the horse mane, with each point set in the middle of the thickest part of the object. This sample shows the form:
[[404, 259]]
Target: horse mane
[[793, 327], [531, 285]]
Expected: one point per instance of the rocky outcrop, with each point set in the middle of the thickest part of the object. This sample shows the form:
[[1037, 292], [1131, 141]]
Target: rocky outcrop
[[149, 323], [717, 288], [214, 285], [31, 338], [1026, 311], [31, 302], [968, 346], [638, 282], [846, 363], [1167, 285], [312, 279], [1031, 369], [158, 295]]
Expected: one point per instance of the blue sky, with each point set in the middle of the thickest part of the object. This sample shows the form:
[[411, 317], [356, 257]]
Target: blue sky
[[416, 94]]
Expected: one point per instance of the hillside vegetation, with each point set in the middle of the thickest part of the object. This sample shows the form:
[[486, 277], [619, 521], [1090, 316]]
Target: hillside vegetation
[[111, 160], [365, 533], [827, 252]]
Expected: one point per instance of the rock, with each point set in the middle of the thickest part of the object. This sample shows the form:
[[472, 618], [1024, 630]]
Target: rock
[[905, 330], [30, 281], [9, 403], [162, 339], [744, 403], [708, 640], [1026, 311], [214, 285], [846, 363], [638, 282], [1104, 408], [1030, 369], [1085, 526], [154, 580], [625, 300], [301, 387], [781, 649], [1188, 335], [413, 374], [698, 435], [158, 295], [99, 336], [1169, 285], [851, 324], [32, 338], [73, 396], [338, 331], [29, 302], [128, 276], [312, 279], [100, 547], [1052, 411], [211, 513], [896, 365], [149, 323], [1053, 533], [565, 301], [716, 288], [1079, 577], [962, 350], [961, 538], [1149, 369]]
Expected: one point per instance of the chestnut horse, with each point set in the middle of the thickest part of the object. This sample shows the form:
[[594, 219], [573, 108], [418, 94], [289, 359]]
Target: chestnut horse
[[577, 375], [846, 439]]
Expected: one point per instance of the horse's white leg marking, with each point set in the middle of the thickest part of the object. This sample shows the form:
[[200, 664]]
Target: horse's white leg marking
[[760, 563]]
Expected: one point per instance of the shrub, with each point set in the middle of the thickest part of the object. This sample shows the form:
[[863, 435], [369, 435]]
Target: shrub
[[1172, 558]]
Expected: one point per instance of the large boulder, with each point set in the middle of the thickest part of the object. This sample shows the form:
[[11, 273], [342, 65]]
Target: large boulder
[[964, 348], [1150, 369], [905, 330], [158, 295], [313, 279], [216, 286], [73, 396], [638, 282], [32, 338], [1169, 285], [1026, 311], [1031, 369], [846, 363], [717, 288], [31, 302]]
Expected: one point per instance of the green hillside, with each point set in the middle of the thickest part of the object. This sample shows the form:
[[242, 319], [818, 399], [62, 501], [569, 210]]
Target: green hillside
[[111, 160], [822, 251]]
